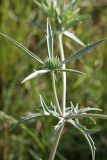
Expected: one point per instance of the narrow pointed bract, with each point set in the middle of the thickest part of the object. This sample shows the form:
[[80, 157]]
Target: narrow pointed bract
[[88, 109], [41, 72], [74, 38], [27, 118], [82, 52], [71, 70], [35, 74], [49, 40], [86, 134], [24, 49]]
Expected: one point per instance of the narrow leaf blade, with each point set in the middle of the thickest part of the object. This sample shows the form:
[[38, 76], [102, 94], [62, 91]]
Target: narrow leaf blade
[[82, 52], [24, 49], [49, 40], [58, 126], [87, 136], [87, 131], [74, 38], [26, 118], [35, 74], [70, 70], [44, 106], [88, 109]]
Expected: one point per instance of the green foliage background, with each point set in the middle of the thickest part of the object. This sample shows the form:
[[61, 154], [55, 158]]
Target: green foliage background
[[26, 23]]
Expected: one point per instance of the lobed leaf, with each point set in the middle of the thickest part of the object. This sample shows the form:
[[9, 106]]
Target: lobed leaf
[[82, 52], [24, 49]]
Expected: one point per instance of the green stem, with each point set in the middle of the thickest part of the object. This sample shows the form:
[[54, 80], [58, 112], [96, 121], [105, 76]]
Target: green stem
[[55, 93], [63, 75], [55, 144]]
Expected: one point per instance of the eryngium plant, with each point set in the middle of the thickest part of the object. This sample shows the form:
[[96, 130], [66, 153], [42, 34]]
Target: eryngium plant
[[70, 114], [62, 18]]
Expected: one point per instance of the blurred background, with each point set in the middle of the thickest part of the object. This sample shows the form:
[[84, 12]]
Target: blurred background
[[24, 21]]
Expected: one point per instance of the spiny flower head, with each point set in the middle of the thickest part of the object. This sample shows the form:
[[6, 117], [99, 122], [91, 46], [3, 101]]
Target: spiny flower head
[[52, 63]]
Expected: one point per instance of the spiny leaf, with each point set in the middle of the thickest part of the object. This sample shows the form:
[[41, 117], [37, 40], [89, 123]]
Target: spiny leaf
[[87, 115], [88, 109], [82, 52], [24, 49], [87, 136], [26, 118], [91, 144], [87, 131], [35, 74], [49, 40]]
